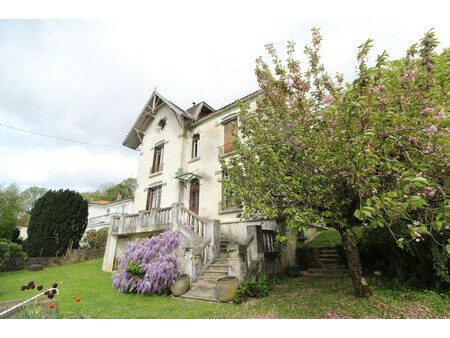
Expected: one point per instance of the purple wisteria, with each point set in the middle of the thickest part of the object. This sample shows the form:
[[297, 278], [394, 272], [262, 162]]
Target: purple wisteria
[[157, 257]]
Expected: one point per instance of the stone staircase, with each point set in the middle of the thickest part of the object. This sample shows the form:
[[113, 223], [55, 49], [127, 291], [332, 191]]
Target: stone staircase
[[328, 259], [204, 289]]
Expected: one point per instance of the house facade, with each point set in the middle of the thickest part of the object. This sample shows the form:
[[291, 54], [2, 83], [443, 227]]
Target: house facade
[[179, 188], [100, 212]]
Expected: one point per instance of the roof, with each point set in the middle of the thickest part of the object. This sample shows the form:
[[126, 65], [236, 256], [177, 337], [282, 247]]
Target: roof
[[198, 108], [195, 113], [99, 202], [234, 103], [23, 222], [108, 202], [147, 115]]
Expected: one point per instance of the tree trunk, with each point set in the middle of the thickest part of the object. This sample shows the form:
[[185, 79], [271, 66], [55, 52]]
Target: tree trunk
[[354, 265]]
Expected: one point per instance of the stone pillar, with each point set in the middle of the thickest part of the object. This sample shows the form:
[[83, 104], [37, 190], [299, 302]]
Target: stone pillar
[[140, 222], [212, 231], [256, 247], [174, 217], [110, 249]]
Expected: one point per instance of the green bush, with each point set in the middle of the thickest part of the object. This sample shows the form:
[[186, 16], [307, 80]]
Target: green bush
[[134, 270], [257, 289], [96, 239], [14, 249], [57, 218], [424, 264]]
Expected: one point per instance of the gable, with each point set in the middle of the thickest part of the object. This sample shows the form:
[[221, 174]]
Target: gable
[[147, 116]]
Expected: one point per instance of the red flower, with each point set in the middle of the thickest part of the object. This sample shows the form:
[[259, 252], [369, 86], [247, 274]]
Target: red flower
[[77, 299], [52, 305]]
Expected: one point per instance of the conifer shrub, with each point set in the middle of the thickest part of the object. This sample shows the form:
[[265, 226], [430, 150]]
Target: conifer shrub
[[57, 218], [149, 265]]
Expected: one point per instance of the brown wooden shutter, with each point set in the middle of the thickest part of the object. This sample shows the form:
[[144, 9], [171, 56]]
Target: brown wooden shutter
[[154, 169], [228, 137]]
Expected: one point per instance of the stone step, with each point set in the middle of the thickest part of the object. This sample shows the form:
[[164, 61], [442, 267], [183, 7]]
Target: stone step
[[328, 250], [330, 266], [217, 268], [204, 296], [328, 256], [328, 260], [209, 279], [202, 285], [328, 272], [219, 274], [220, 264]]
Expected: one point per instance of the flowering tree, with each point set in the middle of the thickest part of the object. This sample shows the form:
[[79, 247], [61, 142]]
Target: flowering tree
[[372, 153], [149, 265]]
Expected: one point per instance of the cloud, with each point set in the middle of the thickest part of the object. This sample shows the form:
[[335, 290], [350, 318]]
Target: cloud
[[88, 80], [66, 167]]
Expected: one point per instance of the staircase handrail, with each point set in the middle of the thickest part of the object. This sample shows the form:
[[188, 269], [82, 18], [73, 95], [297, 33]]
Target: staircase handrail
[[193, 214]]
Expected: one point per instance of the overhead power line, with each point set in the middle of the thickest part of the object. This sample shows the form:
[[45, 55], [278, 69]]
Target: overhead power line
[[61, 139]]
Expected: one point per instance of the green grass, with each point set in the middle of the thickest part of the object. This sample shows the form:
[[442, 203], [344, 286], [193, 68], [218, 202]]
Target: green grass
[[331, 237], [303, 297]]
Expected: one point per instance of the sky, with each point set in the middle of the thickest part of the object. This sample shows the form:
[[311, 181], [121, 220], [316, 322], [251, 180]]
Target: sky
[[84, 71]]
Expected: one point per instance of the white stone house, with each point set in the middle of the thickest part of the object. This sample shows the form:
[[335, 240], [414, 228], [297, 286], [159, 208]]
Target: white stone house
[[100, 212], [179, 169]]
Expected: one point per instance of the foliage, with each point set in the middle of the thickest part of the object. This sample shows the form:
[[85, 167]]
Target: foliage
[[57, 218], [10, 209], [149, 265], [372, 153], [134, 270], [30, 196], [95, 239], [110, 191], [35, 311], [305, 297], [14, 250], [424, 264], [247, 288]]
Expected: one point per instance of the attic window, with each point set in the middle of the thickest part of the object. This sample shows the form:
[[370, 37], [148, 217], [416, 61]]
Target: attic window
[[162, 123]]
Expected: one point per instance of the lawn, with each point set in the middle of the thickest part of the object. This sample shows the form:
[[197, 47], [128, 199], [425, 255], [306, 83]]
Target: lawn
[[331, 237], [302, 297]]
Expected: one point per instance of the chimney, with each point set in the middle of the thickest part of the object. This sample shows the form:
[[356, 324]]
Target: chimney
[[193, 103], [119, 196]]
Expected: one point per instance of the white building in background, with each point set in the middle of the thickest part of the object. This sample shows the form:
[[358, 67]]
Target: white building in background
[[100, 212], [22, 225], [179, 169]]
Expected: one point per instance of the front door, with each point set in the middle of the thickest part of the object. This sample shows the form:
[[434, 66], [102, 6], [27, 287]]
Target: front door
[[194, 196]]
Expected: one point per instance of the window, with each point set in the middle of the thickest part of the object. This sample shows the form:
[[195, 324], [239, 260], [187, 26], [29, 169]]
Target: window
[[194, 196], [158, 159], [162, 123], [195, 145], [107, 211], [153, 198], [226, 197], [229, 128]]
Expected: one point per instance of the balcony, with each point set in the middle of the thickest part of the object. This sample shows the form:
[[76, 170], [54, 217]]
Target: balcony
[[226, 149], [159, 219]]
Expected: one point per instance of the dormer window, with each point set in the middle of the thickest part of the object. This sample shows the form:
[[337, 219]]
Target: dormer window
[[195, 145], [162, 123]]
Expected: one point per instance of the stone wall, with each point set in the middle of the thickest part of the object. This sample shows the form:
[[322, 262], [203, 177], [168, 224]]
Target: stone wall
[[72, 256]]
